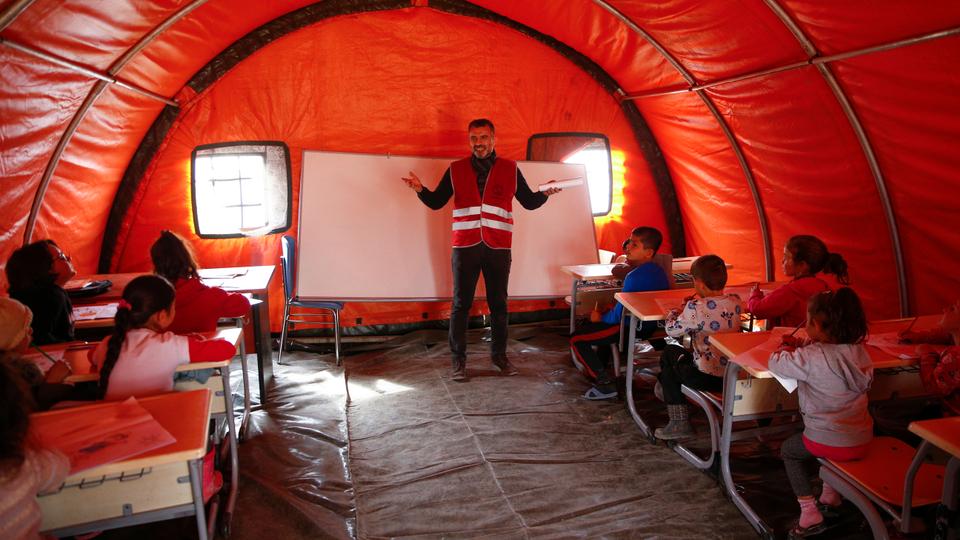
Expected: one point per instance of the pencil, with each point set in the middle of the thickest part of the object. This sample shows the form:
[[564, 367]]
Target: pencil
[[44, 353], [799, 326]]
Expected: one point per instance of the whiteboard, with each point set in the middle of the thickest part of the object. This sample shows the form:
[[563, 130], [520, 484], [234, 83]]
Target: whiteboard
[[365, 235]]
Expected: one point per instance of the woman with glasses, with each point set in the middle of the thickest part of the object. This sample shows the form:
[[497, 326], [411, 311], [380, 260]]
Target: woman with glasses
[[36, 274]]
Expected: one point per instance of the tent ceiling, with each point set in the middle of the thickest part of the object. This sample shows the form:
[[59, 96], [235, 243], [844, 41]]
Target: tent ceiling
[[804, 106]]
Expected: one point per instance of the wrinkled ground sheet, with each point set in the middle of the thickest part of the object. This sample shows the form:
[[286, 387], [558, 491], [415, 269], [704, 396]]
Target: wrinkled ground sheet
[[391, 447]]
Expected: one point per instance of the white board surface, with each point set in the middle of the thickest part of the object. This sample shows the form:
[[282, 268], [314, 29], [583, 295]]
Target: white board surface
[[364, 235]]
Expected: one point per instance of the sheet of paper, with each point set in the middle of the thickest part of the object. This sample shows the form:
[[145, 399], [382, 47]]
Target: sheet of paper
[[98, 311], [666, 304], [758, 358], [207, 275], [889, 343], [45, 361], [94, 437]]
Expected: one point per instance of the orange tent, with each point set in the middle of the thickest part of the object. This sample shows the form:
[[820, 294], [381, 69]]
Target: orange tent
[[733, 125]]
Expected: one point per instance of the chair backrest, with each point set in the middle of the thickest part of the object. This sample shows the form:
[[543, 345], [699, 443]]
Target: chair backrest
[[665, 261], [288, 264]]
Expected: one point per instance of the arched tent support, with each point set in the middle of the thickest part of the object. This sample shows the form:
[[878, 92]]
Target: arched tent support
[[864, 141], [313, 13], [741, 158], [12, 11]]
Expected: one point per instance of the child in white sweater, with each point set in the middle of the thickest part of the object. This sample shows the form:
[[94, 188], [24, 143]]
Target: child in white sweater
[[834, 373]]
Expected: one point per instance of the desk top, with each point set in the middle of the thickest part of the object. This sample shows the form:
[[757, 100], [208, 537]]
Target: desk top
[[647, 305], [252, 279], [75, 354], [944, 433], [604, 271], [735, 343], [184, 414]]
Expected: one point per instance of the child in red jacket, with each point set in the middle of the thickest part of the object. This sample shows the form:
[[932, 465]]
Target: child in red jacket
[[804, 257], [199, 307]]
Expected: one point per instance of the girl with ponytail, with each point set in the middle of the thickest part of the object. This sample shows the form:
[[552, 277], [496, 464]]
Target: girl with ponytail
[[833, 372], [812, 269], [139, 359]]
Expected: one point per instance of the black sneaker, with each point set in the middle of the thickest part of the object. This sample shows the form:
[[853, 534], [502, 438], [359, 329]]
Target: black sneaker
[[501, 364], [459, 369]]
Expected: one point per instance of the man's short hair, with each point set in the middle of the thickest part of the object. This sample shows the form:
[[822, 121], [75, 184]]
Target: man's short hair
[[711, 270], [649, 237], [481, 122]]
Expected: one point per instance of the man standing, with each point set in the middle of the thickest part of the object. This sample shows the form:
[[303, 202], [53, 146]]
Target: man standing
[[483, 187]]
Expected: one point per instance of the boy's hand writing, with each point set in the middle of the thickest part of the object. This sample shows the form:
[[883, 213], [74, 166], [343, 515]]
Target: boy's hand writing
[[790, 343]]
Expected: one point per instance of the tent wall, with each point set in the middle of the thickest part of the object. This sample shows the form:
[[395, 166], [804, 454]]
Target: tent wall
[[67, 139], [358, 83]]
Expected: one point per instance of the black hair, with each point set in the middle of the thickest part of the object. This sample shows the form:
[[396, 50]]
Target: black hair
[[145, 295], [481, 122], [711, 270], [173, 257], [649, 237], [17, 402], [811, 250], [31, 266], [625, 243], [840, 314]]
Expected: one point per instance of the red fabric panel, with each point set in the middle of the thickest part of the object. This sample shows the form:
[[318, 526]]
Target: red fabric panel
[[719, 215], [812, 176], [83, 186], [597, 34], [907, 101], [37, 100], [181, 50], [836, 27], [92, 34], [715, 40], [445, 70]]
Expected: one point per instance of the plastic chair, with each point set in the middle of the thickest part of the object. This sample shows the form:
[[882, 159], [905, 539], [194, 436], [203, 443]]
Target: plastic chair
[[288, 262]]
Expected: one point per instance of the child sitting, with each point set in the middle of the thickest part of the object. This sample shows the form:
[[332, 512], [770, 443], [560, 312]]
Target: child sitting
[[940, 371], [804, 257], [604, 328], [709, 312], [834, 372], [25, 470], [139, 359], [15, 336], [622, 265], [199, 306], [36, 274]]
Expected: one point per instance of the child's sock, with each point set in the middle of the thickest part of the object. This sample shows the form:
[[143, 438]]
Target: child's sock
[[829, 496], [809, 515]]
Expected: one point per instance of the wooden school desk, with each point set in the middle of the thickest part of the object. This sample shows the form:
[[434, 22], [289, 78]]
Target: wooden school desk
[[244, 279], [649, 306], [165, 483], [220, 394], [733, 344], [944, 433]]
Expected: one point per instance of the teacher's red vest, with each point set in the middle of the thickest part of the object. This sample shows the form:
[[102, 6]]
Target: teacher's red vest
[[489, 220]]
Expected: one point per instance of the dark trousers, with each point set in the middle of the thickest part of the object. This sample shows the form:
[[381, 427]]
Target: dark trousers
[[600, 335], [677, 368], [797, 460], [467, 265]]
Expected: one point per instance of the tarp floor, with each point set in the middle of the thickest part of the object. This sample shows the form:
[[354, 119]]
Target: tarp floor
[[388, 446]]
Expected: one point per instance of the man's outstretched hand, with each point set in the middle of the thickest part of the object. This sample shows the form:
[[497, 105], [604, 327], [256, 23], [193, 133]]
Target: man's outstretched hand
[[413, 182], [551, 191]]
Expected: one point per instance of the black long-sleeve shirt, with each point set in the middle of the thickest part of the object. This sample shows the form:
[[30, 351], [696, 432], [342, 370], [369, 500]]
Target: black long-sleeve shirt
[[437, 198]]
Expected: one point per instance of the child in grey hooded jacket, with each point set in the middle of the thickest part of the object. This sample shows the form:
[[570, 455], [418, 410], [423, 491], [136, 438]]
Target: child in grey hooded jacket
[[833, 372]]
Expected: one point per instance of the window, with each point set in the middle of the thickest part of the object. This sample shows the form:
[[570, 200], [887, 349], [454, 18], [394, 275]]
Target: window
[[590, 149], [241, 189]]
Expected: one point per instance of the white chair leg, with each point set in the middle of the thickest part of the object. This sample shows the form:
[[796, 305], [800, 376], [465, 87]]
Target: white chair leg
[[283, 333], [336, 335]]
